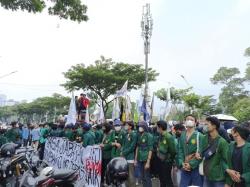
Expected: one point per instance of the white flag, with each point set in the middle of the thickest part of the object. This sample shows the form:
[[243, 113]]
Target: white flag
[[101, 117], [87, 115], [169, 94], [123, 91], [116, 109], [128, 108], [71, 118]]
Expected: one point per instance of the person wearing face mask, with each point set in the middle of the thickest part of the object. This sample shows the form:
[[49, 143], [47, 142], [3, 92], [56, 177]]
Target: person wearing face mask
[[117, 137], [178, 130], [187, 150], [106, 147], [128, 150], [238, 172], [166, 151], [214, 155], [143, 154]]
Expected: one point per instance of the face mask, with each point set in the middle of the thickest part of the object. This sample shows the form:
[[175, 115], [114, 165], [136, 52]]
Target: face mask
[[117, 128], [126, 127], [189, 123], [141, 129]]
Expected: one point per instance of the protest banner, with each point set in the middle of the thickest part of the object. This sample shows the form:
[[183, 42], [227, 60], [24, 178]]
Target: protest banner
[[64, 154]]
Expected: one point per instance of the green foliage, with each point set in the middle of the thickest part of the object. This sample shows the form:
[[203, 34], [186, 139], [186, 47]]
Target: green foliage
[[241, 109], [66, 9], [105, 77], [195, 103], [233, 89], [52, 106], [247, 72], [176, 95], [225, 75], [247, 52]]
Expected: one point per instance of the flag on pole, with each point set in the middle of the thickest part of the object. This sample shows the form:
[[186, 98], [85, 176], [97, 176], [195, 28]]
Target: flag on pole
[[152, 107], [123, 91], [169, 94], [100, 118], [116, 109], [144, 110], [128, 108], [71, 118], [87, 115]]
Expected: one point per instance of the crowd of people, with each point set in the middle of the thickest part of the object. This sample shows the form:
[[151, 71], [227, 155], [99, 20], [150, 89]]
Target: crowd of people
[[183, 154]]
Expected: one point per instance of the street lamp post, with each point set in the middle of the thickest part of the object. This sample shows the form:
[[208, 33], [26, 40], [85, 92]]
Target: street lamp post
[[8, 74], [147, 27]]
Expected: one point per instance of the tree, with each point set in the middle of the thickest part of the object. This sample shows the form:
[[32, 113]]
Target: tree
[[176, 95], [247, 52], [241, 110], [105, 77], [37, 109], [195, 103], [233, 88], [66, 9]]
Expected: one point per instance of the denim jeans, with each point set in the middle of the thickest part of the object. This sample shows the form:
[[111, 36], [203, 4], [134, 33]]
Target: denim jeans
[[192, 177], [144, 174], [208, 183]]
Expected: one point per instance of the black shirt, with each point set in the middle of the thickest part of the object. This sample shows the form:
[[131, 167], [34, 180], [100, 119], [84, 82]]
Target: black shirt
[[237, 163]]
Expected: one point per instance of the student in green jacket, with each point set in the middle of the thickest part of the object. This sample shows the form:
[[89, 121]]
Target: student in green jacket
[[13, 134], [214, 155], [44, 133], [98, 133], [3, 139], [188, 147], [68, 132], [128, 150], [143, 154], [166, 152], [79, 133], [106, 147], [117, 137], [88, 137], [238, 173]]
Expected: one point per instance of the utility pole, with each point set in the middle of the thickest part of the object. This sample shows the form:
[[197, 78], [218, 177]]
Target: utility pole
[[147, 27]]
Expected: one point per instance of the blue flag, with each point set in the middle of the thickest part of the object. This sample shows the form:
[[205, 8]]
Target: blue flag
[[144, 110]]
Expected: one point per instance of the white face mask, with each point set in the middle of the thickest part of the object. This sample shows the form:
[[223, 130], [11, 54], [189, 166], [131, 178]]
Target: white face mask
[[189, 123], [141, 129], [118, 128], [126, 127]]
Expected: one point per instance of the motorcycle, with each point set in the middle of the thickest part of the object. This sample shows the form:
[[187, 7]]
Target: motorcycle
[[12, 165], [48, 177]]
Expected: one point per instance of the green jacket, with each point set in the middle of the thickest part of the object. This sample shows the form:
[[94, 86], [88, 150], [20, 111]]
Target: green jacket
[[60, 132], [117, 137], [3, 140], [128, 148], [107, 141], [98, 136], [188, 148], [155, 141], [88, 139], [166, 149], [44, 134], [245, 163], [68, 133], [13, 135], [144, 145], [218, 163]]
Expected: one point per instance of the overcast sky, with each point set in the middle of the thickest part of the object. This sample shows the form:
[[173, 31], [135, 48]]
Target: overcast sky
[[191, 38]]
